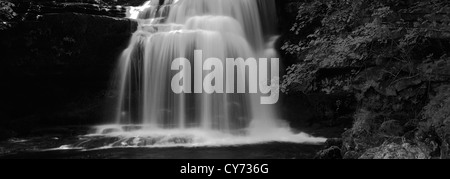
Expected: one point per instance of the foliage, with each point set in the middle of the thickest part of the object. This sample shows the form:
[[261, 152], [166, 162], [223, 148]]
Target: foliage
[[6, 13], [366, 33], [299, 78], [393, 55]]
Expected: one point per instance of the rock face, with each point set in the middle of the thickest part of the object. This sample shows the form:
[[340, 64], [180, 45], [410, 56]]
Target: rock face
[[28, 9], [332, 150], [391, 128], [330, 153], [397, 151], [56, 68]]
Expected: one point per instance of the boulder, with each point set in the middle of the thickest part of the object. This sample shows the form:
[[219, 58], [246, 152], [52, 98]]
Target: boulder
[[330, 153], [397, 151], [391, 128], [444, 136], [351, 155], [333, 142]]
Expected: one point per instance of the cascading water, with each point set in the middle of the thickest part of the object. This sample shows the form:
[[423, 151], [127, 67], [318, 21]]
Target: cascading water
[[149, 113]]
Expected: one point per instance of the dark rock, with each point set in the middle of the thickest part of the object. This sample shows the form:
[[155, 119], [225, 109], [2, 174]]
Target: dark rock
[[360, 142], [427, 138], [397, 151], [333, 142], [93, 143], [111, 130], [25, 8], [326, 110], [180, 140], [124, 2], [391, 128], [351, 155], [61, 63], [444, 136], [445, 150], [131, 128], [330, 153], [56, 131]]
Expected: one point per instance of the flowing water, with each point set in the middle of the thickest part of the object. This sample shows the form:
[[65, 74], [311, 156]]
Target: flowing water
[[150, 114]]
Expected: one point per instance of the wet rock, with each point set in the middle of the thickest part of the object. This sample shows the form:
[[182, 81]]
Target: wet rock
[[333, 142], [359, 141], [180, 140], [443, 133], [391, 128], [111, 130], [397, 151], [26, 8], [67, 60], [351, 155], [125, 2], [445, 150], [427, 138], [330, 153], [92, 143]]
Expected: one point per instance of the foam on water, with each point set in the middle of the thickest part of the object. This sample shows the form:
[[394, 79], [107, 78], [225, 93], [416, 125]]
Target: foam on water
[[120, 136]]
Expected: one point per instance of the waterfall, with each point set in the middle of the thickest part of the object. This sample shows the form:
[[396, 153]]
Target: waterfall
[[171, 29]]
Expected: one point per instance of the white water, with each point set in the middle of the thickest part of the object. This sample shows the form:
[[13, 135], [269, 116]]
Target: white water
[[175, 28]]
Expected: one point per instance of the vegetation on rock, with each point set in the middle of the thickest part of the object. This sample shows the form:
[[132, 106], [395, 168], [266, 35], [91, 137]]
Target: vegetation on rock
[[394, 56]]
